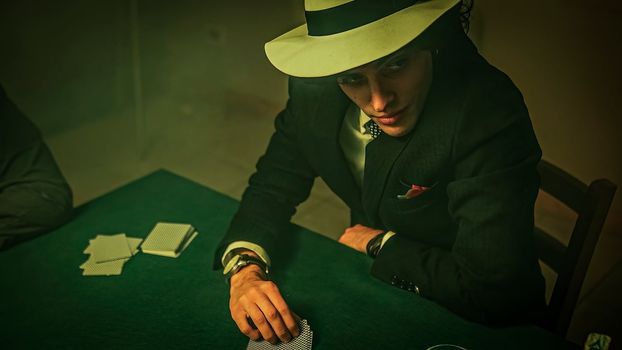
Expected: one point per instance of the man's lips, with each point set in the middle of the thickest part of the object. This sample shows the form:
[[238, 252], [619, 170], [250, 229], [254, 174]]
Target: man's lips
[[390, 119]]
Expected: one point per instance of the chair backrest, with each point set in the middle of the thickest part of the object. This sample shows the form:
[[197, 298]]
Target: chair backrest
[[591, 203]]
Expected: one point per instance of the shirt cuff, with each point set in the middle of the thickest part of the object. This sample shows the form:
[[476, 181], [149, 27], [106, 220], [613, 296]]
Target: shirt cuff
[[386, 237], [246, 245]]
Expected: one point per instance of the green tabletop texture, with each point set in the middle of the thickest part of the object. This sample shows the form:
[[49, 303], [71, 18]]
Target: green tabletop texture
[[161, 302]]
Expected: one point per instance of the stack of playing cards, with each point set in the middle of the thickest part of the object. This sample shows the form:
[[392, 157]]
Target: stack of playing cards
[[303, 341], [107, 254], [168, 239]]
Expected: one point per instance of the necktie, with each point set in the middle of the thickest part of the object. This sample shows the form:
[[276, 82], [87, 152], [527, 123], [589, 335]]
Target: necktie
[[373, 129]]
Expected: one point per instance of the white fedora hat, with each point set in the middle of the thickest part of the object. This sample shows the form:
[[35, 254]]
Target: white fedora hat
[[344, 34]]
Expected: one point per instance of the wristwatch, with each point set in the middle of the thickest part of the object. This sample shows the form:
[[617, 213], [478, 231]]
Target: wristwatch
[[237, 262], [374, 244]]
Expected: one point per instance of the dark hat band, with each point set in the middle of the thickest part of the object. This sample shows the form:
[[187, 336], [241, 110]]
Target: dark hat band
[[351, 15]]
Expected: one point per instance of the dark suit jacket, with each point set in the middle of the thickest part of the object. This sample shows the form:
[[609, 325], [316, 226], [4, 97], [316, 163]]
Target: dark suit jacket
[[34, 196], [467, 242]]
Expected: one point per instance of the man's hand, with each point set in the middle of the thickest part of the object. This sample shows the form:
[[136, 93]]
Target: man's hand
[[357, 237], [251, 295]]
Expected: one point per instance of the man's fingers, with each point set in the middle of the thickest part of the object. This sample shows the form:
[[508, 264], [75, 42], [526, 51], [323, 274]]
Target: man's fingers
[[250, 322], [275, 319], [240, 319], [269, 315], [286, 314], [261, 323]]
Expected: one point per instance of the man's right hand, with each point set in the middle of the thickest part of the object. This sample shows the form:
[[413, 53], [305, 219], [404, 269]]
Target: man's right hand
[[252, 295]]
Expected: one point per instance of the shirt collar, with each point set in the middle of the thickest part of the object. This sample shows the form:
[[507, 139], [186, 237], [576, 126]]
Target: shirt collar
[[363, 118]]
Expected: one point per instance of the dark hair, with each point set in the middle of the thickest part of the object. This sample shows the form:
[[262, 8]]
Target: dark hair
[[465, 14], [443, 32]]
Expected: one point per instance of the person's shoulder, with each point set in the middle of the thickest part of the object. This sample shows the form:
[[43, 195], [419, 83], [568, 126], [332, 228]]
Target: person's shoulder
[[305, 94], [491, 101], [488, 84], [17, 131]]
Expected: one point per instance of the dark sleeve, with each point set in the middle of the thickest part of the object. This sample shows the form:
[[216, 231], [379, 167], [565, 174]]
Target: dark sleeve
[[283, 179], [34, 196], [491, 273]]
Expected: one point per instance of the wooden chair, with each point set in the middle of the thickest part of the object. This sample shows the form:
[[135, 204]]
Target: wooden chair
[[591, 203]]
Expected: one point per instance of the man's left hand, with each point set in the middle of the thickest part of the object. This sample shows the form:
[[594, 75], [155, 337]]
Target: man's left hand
[[357, 237]]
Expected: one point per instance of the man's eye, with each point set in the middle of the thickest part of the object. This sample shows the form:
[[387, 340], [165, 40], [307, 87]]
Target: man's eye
[[396, 65], [349, 80]]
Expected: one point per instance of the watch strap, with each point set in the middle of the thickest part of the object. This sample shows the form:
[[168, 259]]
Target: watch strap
[[242, 261], [237, 247], [374, 244]]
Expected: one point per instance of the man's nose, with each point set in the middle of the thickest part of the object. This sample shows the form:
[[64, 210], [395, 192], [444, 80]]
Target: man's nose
[[380, 96]]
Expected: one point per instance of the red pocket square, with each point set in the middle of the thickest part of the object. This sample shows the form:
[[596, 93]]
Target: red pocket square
[[413, 192]]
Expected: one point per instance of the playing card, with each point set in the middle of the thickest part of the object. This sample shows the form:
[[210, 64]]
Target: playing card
[[109, 248], [107, 268], [133, 243], [92, 268], [304, 341], [168, 239], [89, 247]]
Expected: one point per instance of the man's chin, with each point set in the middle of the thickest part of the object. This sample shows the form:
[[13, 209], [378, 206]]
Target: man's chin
[[395, 131]]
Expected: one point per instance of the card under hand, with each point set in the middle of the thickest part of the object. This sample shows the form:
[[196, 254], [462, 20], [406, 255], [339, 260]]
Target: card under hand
[[304, 341]]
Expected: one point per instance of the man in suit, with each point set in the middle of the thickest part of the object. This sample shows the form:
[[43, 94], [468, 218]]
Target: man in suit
[[34, 196], [430, 147]]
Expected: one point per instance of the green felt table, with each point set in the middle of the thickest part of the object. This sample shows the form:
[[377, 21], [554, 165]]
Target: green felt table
[[161, 302]]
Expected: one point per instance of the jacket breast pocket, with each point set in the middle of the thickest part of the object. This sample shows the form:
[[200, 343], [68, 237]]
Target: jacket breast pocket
[[422, 217], [425, 199]]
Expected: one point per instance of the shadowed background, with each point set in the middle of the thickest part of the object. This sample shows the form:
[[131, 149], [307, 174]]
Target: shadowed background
[[120, 88]]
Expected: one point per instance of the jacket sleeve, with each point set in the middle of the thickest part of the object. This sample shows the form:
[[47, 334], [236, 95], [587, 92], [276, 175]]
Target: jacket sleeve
[[491, 273], [283, 179], [34, 196]]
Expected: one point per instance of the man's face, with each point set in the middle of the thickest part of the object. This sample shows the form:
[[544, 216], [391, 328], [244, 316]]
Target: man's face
[[391, 90]]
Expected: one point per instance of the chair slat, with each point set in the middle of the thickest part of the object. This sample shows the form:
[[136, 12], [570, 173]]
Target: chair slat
[[561, 185], [550, 250]]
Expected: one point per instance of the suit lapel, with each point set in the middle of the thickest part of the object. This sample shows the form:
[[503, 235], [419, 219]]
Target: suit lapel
[[332, 166], [432, 131], [380, 155]]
